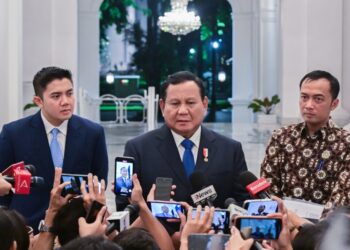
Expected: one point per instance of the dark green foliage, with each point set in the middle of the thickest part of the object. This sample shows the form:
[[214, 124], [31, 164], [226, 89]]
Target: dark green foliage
[[264, 105]]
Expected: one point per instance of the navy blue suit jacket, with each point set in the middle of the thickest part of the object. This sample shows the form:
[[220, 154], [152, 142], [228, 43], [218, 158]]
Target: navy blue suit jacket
[[26, 140], [156, 155]]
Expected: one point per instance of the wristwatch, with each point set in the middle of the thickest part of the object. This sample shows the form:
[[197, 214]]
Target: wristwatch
[[43, 228]]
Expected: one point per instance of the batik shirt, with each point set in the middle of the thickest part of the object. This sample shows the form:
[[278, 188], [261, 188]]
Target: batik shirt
[[314, 168]]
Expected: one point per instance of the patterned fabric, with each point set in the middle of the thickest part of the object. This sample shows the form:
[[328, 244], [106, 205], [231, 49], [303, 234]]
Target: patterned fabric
[[315, 168]]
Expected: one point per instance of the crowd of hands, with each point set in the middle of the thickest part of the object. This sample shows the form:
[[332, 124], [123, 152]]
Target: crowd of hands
[[179, 240]]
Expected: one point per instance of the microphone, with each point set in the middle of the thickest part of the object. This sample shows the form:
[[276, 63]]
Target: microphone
[[203, 194], [35, 181], [256, 187], [235, 210], [121, 220]]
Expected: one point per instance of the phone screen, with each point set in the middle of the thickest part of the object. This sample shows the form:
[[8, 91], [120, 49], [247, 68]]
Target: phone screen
[[75, 183], [261, 207], [207, 241], [260, 228], [166, 210], [124, 168], [221, 219]]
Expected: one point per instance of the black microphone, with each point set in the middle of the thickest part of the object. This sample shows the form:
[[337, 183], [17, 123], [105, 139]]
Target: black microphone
[[257, 188], [30, 168], [35, 181], [204, 194], [120, 220]]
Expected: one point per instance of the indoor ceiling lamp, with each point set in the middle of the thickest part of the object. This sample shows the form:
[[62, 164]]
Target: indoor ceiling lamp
[[178, 21]]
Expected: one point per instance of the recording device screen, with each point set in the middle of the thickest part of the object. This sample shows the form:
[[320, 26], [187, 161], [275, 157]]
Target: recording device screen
[[207, 241], [75, 183], [261, 207], [166, 210], [124, 167], [221, 219], [260, 228]]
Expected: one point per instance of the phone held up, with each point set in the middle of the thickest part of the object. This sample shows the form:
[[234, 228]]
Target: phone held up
[[259, 227], [260, 207], [163, 188], [221, 220], [166, 209], [75, 183], [124, 169]]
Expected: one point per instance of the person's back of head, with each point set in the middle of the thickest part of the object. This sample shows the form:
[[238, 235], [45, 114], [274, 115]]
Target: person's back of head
[[65, 224], [309, 236], [13, 229], [91, 243], [136, 239]]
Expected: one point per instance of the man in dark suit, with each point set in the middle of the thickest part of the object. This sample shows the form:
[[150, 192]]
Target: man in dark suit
[[53, 137], [163, 153]]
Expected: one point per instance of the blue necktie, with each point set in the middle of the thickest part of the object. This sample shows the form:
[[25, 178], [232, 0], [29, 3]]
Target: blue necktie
[[188, 159], [56, 152]]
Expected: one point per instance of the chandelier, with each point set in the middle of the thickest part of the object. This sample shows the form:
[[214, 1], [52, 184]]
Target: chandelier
[[178, 21]]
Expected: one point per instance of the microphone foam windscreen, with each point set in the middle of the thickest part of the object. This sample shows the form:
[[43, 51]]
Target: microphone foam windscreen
[[230, 201], [198, 180], [30, 168], [246, 177]]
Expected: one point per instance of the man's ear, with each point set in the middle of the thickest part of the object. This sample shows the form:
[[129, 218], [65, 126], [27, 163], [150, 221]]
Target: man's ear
[[162, 105], [38, 101], [334, 104]]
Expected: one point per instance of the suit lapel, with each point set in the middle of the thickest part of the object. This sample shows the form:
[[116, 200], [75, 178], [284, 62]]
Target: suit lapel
[[170, 153], [73, 143], [206, 142]]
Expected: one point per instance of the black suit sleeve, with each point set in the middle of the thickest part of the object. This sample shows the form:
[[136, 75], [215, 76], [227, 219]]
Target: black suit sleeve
[[100, 160]]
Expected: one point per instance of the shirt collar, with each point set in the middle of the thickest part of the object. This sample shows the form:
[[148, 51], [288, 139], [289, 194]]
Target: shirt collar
[[48, 126], [322, 132], [195, 138]]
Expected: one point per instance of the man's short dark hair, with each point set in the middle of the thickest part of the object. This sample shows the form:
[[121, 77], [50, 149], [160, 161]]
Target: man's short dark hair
[[181, 77], [318, 74], [91, 243], [136, 239], [47, 75]]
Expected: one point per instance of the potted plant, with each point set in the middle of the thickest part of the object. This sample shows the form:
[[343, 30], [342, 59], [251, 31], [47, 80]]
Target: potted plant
[[30, 109], [264, 108]]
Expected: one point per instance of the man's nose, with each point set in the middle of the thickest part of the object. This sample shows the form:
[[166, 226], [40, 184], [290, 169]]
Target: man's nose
[[309, 104], [183, 108]]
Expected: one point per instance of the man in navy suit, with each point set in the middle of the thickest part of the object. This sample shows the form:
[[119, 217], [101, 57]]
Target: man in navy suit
[[160, 153], [78, 145]]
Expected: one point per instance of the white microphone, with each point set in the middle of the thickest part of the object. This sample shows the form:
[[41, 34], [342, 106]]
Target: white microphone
[[204, 196]]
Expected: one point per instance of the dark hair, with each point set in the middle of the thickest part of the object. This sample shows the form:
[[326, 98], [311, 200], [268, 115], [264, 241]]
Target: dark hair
[[65, 224], [46, 76], [136, 239], [318, 74], [91, 243], [13, 228], [181, 77]]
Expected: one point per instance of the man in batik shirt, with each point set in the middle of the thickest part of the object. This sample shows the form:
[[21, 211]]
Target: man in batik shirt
[[311, 160]]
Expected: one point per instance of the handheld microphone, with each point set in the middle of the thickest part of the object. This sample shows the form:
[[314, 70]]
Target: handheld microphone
[[203, 194], [121, 220], [256, 187], [235, 210], [35, 181]]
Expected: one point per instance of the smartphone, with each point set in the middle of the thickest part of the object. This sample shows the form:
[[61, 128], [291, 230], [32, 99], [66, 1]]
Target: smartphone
[[260, 207], [207, 241], [166, 210], [75, 183], [93, 211], [124, 169], [259, 227], [163, 188], [221, 220]]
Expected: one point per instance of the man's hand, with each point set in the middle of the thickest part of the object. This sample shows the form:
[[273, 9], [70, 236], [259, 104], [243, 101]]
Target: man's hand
[[236, 241], [5, 187], [198, 224], [96, 191], [98, 227]]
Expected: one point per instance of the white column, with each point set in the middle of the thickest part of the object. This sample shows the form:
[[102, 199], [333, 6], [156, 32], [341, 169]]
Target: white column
[[10, 60], [312, 35], [245, 54]]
